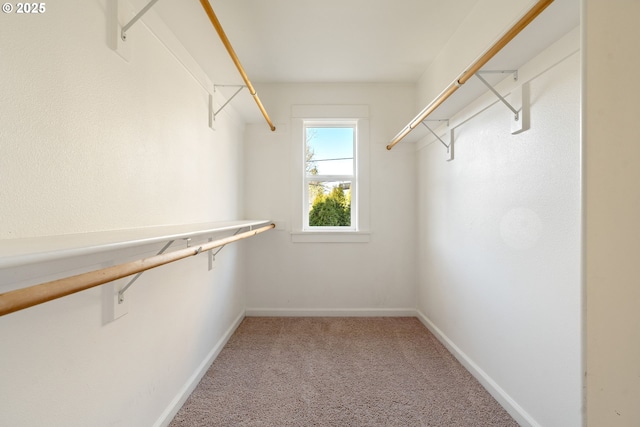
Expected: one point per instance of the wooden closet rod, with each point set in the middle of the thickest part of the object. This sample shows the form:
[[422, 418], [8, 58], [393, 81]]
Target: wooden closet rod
[[223, 37], [28, 297], [486, 57]]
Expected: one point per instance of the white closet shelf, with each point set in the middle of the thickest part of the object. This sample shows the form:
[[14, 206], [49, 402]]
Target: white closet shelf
[[32, 250], [557, 19]]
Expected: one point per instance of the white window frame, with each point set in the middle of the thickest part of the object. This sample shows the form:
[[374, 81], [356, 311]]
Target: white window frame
[[328, 115], [353, 177]]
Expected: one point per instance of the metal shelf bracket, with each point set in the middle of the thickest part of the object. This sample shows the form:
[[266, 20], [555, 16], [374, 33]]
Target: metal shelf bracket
[[518, 101], [212, 258], [125, 287], [448, 136], [123, 33], [495, 92], [212, 255], [215, 113]]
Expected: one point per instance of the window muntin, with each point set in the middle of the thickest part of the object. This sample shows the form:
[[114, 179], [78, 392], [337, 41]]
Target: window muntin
[[330, 202]]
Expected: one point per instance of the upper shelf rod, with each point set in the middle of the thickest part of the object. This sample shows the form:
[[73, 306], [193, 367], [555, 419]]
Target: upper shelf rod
[[33, 295], [223, 37], [466, 75]]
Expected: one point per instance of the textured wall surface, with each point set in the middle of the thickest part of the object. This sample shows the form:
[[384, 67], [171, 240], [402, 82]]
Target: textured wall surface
[[90, 142], [500, 244], [376, 275]]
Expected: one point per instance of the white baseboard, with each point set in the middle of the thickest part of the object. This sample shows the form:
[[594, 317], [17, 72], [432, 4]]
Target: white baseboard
[[511, 406], [521, 416], [330, 312], [170, 412]]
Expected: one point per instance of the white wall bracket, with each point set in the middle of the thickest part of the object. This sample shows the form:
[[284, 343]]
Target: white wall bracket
[[239, 88], [123, 32], [111, 308], [125, 287], [520, 109], [448, 137], [519, 98], [212, 258], [212, 255], [212, 117], [118, 12], [500, 97]]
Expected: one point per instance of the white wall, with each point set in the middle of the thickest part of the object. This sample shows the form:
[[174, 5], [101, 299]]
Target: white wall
[[499, 243], [612, 209], [90, 142], [377, 276]]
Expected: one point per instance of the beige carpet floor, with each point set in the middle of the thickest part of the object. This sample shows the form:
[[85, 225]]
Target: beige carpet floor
[[338, 372]]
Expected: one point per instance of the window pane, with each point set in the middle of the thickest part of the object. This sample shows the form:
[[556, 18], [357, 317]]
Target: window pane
[[329, 150], [330, 204]]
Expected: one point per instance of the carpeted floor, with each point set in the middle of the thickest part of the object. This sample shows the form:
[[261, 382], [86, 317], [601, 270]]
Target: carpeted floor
[[338, 372]]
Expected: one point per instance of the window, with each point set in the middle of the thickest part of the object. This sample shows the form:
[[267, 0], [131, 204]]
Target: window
[[330, 146], [330, 183]]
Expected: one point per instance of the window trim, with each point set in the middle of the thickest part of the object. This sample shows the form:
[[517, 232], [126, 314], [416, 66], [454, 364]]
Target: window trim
[[353, 178], [359, 115]]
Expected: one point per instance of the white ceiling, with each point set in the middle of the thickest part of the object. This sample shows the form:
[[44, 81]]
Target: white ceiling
[[288, 41], [338, 40]]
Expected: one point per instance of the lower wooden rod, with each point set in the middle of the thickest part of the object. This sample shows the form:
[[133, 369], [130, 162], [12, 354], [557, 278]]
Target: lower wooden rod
[[20, 299]]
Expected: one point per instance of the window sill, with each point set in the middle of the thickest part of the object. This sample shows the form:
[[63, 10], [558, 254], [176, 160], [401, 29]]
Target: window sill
[[330, 236]]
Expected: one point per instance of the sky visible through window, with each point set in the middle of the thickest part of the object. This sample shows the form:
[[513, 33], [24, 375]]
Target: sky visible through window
[[332, 148]]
